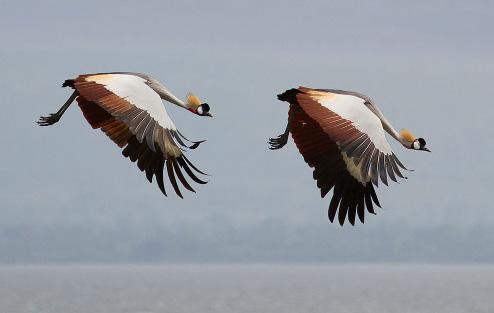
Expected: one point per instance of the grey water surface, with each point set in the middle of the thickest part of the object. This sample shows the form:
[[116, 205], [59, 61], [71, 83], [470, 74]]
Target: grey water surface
[[234, 288]]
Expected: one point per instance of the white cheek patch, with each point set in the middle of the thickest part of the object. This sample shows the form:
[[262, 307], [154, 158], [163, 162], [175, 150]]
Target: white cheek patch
[[416, 145], [199, 110]]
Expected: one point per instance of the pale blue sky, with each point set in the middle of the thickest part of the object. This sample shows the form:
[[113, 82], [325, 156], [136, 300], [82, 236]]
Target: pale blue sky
[[67, 194]]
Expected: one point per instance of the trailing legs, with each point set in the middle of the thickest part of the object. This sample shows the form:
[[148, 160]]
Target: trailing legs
[[55, 117]]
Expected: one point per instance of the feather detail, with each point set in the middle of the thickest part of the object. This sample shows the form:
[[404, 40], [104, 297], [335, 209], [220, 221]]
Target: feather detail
[[193, 101], [407, 135]]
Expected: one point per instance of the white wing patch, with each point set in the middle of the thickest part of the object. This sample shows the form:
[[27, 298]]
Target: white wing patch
[[355, 171], [135, 90], [352, 108]]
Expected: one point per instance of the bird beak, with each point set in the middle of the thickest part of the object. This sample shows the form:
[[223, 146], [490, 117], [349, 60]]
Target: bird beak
[[425, 149], [209, 114]]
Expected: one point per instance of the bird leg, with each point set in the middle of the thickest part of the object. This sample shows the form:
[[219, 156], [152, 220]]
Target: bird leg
[[55, 117], [280, 141]]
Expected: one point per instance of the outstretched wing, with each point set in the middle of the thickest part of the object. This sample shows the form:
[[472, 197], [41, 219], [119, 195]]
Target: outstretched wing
[[357, 131], [129, 112], [350, 197], [344, 157]]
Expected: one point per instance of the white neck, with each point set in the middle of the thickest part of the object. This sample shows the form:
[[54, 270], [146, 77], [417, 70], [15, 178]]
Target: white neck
[[165, 94], [387, 125]]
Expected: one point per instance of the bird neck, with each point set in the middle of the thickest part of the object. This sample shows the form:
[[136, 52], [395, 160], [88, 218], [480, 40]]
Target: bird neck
[[388, 127], [396, 135], [165, 94]]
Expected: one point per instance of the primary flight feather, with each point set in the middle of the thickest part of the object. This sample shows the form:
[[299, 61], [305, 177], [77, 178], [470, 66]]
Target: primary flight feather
[[341, 134], [128, 108]]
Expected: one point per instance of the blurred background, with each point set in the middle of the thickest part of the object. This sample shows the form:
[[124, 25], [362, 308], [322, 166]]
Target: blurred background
[[67, 194]]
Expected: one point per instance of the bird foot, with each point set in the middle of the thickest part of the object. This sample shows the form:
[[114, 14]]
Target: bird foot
[[278, 142], [48, 120]]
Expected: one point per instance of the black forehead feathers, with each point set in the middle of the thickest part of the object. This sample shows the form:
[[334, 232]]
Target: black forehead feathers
[[422, 141], [205, 107]]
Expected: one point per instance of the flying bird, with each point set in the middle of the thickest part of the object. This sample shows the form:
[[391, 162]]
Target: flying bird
[[341, 135], [128, 108]]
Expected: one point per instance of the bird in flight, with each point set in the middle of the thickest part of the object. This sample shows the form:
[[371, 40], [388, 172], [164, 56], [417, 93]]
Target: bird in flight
[[128, 108], [341, 135]]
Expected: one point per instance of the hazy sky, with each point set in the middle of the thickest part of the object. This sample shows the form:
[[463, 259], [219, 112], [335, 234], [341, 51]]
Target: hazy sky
[[68, 194]]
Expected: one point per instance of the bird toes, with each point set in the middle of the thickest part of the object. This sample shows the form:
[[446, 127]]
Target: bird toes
[[48, 120], [278, 142]]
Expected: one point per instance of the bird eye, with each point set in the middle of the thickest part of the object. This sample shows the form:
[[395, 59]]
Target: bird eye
[[205, 107]]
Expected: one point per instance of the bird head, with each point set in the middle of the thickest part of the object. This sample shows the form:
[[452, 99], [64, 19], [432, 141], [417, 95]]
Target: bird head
[[196, 107], [411, 142]]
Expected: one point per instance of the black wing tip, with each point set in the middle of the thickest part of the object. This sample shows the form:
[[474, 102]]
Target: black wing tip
[[196, 144], [140, 153], [352, 222], [374, 197], [171, 177], [181, 177], [193, 166], [351, 205], [177, 134], [401, 164], [331, 218], [189, 172]]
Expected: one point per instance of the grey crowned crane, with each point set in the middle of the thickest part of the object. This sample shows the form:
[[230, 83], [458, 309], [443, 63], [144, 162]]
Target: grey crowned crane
[[128, 108], [341, 135]]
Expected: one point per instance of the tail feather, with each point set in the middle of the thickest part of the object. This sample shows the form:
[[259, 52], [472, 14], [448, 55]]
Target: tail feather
[[289, 95], [68, 83]]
